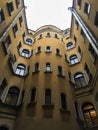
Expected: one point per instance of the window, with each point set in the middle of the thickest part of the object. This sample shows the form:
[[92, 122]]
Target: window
[[48, 34], [3, 85], [20, 20], [60, 71], [48, 49], [79, 50], [87, 8], [10, 7], [86, 68], [73, 59], [56, 36], [77, 24], [36, 69], [15, 30], [20, 70], [96, 19], [7, 43], [19, 45], [17, 3], [2, 17], [82, 34], [47, 97], [92, 51], [69, 45], [12, 96], [38, 49], [90, 115], [79, 80], [63, 101], [33, 95], [79, 2], [25, 53], [40, 36], [48, 67], [58, 52], [29, 41]]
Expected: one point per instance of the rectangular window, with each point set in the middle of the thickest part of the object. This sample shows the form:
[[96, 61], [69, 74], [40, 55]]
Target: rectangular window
[[58, 52], [2, 18], [96, 19], [48, 49], [77, 24], [40, 36], [87, 8], [48, 67], [6, 43], [79, 2], [47, 97], [17, 3], [33, 95], [79, 50], [60, 72], [39, 49], [20, 20], [36, 67], [82, 34], [92, 51], [63, 101], [3, 85], [10, 7], [86, 68], [75, 39], [15, 30]]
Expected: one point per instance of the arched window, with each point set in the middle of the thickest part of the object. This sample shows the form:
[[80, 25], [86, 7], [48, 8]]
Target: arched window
[[69, 45], [90, 115], [3, 128], [73, 59], [12, 96], [48, 67], [20, 70], [79, 80], [2, 18], [25, 53]]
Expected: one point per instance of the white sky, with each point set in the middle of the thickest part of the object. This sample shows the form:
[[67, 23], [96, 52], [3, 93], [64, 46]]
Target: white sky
[[48, 12]]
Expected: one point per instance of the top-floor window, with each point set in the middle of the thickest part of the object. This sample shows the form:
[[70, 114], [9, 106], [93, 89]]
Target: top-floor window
[[2, 17], [56, 36], [29, 41], [87, 8], [10, 7], [17, 3], [48, 34], [96, 19], [69, 45]]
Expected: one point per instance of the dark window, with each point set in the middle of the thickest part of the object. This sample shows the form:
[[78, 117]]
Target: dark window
[[87, 70], [20, 70], [10, 8], [90, 115], [92, 51], [79, 2], [63, 101], [12, 96], [82, 33], [40, 36], [25, 53], [48, 67], [48, 49], [75, 39], [80, 80], [20, 20], [3, 85], [36, 67], [47, 97], [77, 24], [33, 95], [17, 3], [69, 45], [48, 34], [15, 30], [87, 8], [96, 19], [39, 49], [19, 45], [29, 41], [2, 18], [73, 59], [56, 36], [7, 42], [58, 52], [79, 50], [60, 71]]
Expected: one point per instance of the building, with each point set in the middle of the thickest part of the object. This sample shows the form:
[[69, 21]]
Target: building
[[49, 77]]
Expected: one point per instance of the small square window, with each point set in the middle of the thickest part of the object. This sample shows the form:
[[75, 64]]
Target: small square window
[[10, 7], [87, 8], [96, 19], [15, 30]]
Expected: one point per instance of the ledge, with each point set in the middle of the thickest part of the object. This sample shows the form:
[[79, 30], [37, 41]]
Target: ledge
[[48, 106]]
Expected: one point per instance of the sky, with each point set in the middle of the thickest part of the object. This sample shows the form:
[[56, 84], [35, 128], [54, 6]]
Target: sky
[[48, 12]]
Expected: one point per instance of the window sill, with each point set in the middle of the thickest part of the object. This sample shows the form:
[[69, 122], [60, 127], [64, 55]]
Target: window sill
[[35, 72], [59, 55], [64, 110], [48, 106], [74, 64], [62, 76], [47, 71], [30, 104]]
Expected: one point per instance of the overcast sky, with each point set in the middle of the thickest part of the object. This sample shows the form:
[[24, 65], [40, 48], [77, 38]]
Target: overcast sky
[[48, 12]]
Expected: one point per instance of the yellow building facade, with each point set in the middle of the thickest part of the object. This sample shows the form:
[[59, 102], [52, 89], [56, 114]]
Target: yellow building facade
[[49, 77]]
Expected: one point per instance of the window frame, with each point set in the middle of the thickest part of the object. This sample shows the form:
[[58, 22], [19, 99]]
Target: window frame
[[87, 11], [20, 70], [10, 7], [74, 59]]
